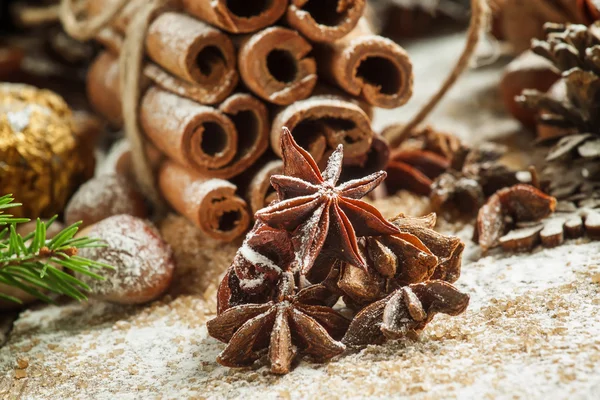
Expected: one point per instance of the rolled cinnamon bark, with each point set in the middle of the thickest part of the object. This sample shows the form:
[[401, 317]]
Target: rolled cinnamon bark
[[211, 204], [237, 16], [256, 183], [274, 65], [322, 122], [251, 119], [367, 65], [103, 88], [376, 159], [192, 50], [199, 61], [198, 136], [324, 20]]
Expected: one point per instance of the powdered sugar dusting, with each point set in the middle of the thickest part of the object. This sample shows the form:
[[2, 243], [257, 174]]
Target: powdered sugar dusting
[[142, 260], [257, 259], [101, 197]]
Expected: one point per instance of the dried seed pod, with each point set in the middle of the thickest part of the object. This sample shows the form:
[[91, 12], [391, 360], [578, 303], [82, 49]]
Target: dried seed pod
[[519, 203], [408, 309], [249, 328]]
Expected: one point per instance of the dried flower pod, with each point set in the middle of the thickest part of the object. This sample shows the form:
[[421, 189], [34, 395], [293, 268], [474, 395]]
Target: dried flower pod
[[418, 161], [250, 328], [448, 249], [314, 210], [407, 309], [569, 221], [415, 255], [519, 203], [475, 175], [303, 255]]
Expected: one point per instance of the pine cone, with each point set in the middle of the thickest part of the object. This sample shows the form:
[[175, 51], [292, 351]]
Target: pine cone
[[574, 117]]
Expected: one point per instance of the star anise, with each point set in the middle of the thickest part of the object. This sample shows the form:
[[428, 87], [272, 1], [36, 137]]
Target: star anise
[[294, 323], [415, 255], [319, 215], [407, 309], [420, 159], [508, 207], [476, 174]]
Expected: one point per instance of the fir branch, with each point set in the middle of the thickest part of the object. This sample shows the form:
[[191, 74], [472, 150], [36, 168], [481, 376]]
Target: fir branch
[[37, 265]]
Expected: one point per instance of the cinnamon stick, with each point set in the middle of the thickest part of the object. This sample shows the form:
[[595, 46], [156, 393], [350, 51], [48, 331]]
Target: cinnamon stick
[[324, 20], [376, 159], [237, 16], [211, 204], [192, 58], [253, 125], [274, 65], [103, 90], [367, 65], [256, 183], [198, 136], [191, 50], [323, 122]]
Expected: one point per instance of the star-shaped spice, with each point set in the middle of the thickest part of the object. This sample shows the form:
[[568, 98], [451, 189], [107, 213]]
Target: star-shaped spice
[[510, 206], [294, 323], [415, 255], [321, 216], [407, 309]]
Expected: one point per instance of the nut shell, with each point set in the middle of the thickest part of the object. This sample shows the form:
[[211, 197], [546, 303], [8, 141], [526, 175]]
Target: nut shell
[[143, 261], [103, 197]]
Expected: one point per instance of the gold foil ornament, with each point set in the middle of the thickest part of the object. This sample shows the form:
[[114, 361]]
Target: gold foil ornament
[[39, 154]]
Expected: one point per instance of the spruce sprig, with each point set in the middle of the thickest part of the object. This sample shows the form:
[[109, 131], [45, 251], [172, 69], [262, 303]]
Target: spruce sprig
[[33, 262]]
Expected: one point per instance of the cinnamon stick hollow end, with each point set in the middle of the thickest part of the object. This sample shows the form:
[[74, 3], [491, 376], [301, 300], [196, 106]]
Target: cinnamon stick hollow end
[[274, 64], [192, 50], [211, 204], [237, 16], [195, 135], [251, 119], [260, 192], [376, 159], [375, 68], [322, 122], [324, 20]]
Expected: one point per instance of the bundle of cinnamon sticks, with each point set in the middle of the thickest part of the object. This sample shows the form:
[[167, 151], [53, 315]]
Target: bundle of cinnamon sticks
[[220, 80]]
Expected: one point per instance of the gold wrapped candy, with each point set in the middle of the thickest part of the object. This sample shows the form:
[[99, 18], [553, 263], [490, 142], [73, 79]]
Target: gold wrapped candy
[[39, 155]]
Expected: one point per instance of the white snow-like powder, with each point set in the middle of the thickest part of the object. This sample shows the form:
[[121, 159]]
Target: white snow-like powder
[[256, 258]]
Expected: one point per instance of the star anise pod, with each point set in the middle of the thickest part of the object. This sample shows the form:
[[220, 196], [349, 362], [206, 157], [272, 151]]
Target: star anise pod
[[475, 175], [294, 323], [320, 216], [407, 309], [510, 206], [415, 255], [420, 159]]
